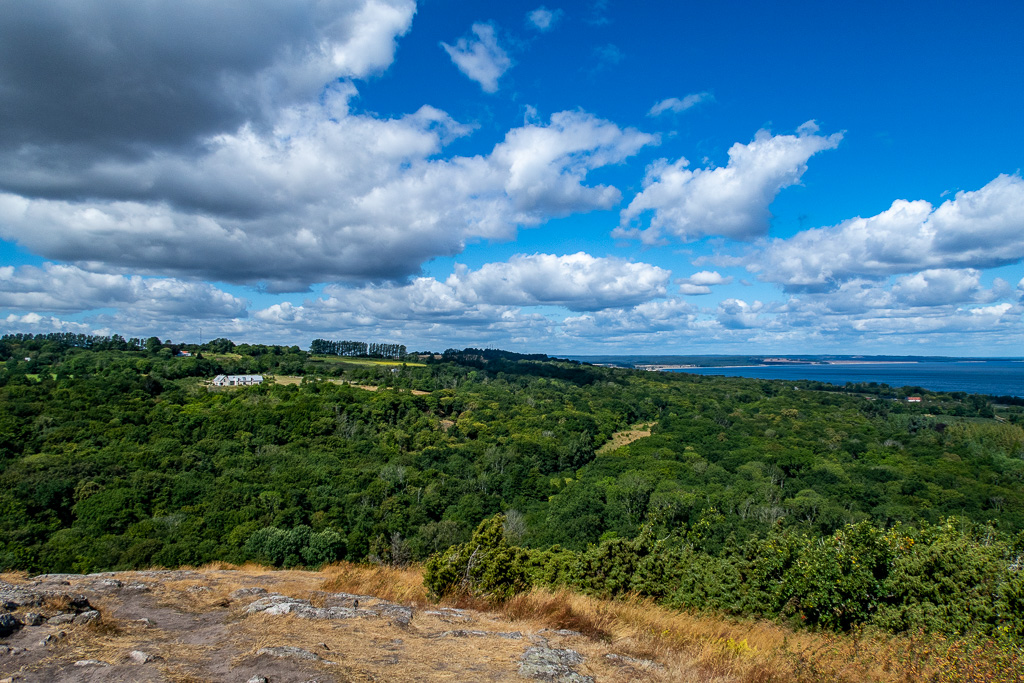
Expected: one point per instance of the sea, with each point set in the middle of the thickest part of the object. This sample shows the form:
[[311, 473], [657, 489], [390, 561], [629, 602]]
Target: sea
[[992, 377]]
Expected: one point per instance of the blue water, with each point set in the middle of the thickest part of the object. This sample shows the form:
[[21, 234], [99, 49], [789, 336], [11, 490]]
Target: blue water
[[996, 377]]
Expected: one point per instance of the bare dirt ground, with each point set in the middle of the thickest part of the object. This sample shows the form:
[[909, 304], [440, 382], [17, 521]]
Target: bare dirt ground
[[261, 626]]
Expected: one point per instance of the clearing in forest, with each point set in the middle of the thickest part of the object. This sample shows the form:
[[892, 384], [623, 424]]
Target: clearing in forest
[[295, 379], [366, 361], [626, 437]]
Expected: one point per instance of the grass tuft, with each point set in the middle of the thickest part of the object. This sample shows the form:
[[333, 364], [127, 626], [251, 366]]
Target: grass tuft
[[404, 585]]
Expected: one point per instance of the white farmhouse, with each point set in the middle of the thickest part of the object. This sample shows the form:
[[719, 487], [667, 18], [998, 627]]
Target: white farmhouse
[[237, 380]]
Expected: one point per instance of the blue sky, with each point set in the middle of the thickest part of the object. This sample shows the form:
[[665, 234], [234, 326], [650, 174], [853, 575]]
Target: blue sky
[[599, 177]]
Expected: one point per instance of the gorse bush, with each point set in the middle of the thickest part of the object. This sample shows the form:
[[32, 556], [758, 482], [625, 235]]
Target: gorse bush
[[955, 577], [487, 566]]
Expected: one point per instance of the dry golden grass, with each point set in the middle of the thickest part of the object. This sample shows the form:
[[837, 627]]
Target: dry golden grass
[[402, 585], [706, 648], [626, 437], [106, 639], [56, 603], [296, 380], [699, 647], [372, 649]]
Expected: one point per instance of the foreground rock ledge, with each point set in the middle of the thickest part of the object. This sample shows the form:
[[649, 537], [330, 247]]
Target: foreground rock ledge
[[273, 626]]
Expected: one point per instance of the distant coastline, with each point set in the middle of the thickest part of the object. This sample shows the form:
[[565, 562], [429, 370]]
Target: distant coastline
[[779, 364], [886, 362], [678, 361], [988, 376]]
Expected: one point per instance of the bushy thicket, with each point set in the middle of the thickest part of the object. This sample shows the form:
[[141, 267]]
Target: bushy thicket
[[954, 577], [485, 566], [299, 545]]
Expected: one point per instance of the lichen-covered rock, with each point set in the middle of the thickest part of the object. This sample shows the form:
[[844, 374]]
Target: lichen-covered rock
[[87, 617], [289, 652], [276, 604], [461, 633], [552, 664], [63, 618], [450, 614], [398, 614], [90, 662], [34, 619], [12, 597], [560, 632]]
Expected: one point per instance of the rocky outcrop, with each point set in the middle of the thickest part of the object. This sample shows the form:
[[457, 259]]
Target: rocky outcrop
[[552, 664], [241, 626], [289, 652], [337, 606]]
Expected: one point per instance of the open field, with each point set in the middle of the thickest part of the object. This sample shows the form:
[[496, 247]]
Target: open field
[[222, 356], [365, 361], [296, 380], [626, 437]]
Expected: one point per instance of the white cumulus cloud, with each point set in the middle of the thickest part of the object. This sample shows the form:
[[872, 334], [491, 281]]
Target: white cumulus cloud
[[480, 58], [676, 105], [542, 18], [977, 229], [59, 288], [731, 201], [701, 283], [579, 282], [738, 314], [325, 196]]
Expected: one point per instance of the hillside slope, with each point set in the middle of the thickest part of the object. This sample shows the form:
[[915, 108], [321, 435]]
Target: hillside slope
[[362, 623]]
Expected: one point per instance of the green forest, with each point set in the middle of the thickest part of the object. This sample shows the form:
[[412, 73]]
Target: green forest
[[830, 507]]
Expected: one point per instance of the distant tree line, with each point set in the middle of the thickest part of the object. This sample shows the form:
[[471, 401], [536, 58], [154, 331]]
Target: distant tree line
[[66, 340], [328, 347]]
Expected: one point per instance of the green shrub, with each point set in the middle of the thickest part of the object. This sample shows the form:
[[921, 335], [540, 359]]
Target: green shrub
[[839, 580], [487, 566], [554, 567], [949, 577]]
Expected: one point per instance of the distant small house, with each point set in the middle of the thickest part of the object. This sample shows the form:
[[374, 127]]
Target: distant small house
[[237, 380], [186, 354], [913, 399]]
